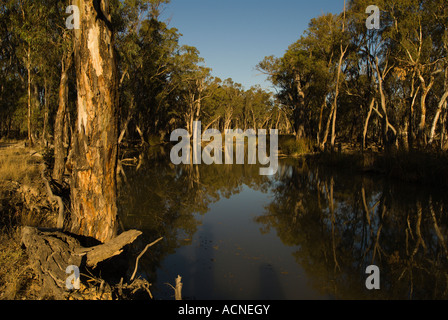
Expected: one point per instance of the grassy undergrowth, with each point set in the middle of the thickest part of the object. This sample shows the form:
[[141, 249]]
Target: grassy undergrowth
[[21, 200], [16, 164], [290, 146], [17, 278]]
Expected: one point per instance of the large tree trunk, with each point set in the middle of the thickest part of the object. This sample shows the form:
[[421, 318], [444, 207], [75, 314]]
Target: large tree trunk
[[93, 157], [59, 150]]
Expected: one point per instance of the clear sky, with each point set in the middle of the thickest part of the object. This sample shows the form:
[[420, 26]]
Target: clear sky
[[233, 36]]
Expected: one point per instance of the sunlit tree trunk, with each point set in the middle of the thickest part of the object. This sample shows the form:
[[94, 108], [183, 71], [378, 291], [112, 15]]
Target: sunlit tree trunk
[[421, 136], [93, 157], [440, 108]]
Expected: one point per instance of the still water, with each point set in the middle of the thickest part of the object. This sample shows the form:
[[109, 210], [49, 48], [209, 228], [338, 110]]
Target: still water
[[308, 232]]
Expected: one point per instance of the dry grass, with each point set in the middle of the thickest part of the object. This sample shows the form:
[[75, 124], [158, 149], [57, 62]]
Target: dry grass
[[17, 164], [17, 278], [20, 204]]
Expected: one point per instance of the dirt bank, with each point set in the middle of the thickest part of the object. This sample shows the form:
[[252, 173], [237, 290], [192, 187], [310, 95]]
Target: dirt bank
[[23, 201]]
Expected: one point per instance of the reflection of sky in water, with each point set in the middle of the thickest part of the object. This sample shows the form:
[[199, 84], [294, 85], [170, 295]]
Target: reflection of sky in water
[[230, 257]]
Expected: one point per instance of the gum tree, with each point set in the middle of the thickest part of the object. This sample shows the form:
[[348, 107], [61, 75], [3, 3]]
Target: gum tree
[[93, 156]]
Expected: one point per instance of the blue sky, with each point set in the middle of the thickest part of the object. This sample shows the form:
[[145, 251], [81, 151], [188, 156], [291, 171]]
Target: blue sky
[[233, 36]]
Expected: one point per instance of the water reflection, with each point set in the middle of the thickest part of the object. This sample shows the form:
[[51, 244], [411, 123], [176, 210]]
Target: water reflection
[[307, 232]]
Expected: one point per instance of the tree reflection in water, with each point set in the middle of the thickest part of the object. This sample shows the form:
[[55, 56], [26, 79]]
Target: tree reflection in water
[[344, 223], [339, 223]]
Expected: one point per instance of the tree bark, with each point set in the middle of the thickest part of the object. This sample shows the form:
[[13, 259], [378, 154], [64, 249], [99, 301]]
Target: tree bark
[[440, 107], [93, 156], [327, 128], [321, 113], [59, 150], [422, 125], [421, 135], [30, 134], [336, 96], [386, 123]]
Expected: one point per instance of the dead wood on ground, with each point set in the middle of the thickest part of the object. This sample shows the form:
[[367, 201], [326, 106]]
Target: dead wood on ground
[[51, 252]]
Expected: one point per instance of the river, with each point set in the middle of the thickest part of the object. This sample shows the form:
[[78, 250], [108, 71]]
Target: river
[[308, 232]]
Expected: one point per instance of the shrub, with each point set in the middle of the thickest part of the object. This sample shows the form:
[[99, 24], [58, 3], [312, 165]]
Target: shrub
[[289, 145]]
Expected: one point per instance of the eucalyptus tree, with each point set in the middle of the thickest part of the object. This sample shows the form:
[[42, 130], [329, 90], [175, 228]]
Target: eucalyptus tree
[[28, 21], [190, 79], [147, 47], [12, 77], [308, 77], [340, 74], [416, 36], [93, 155]]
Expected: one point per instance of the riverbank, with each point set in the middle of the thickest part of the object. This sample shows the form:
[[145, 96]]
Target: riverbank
[[23, 202], [413, 166], [29, 216], [427, 168]]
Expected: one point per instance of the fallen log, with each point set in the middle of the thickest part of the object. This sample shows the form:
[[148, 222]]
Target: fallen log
[[109, 249], [51, 252]]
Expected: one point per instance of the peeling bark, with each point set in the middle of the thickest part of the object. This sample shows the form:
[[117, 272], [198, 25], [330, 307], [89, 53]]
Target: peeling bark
[[93, 157]]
